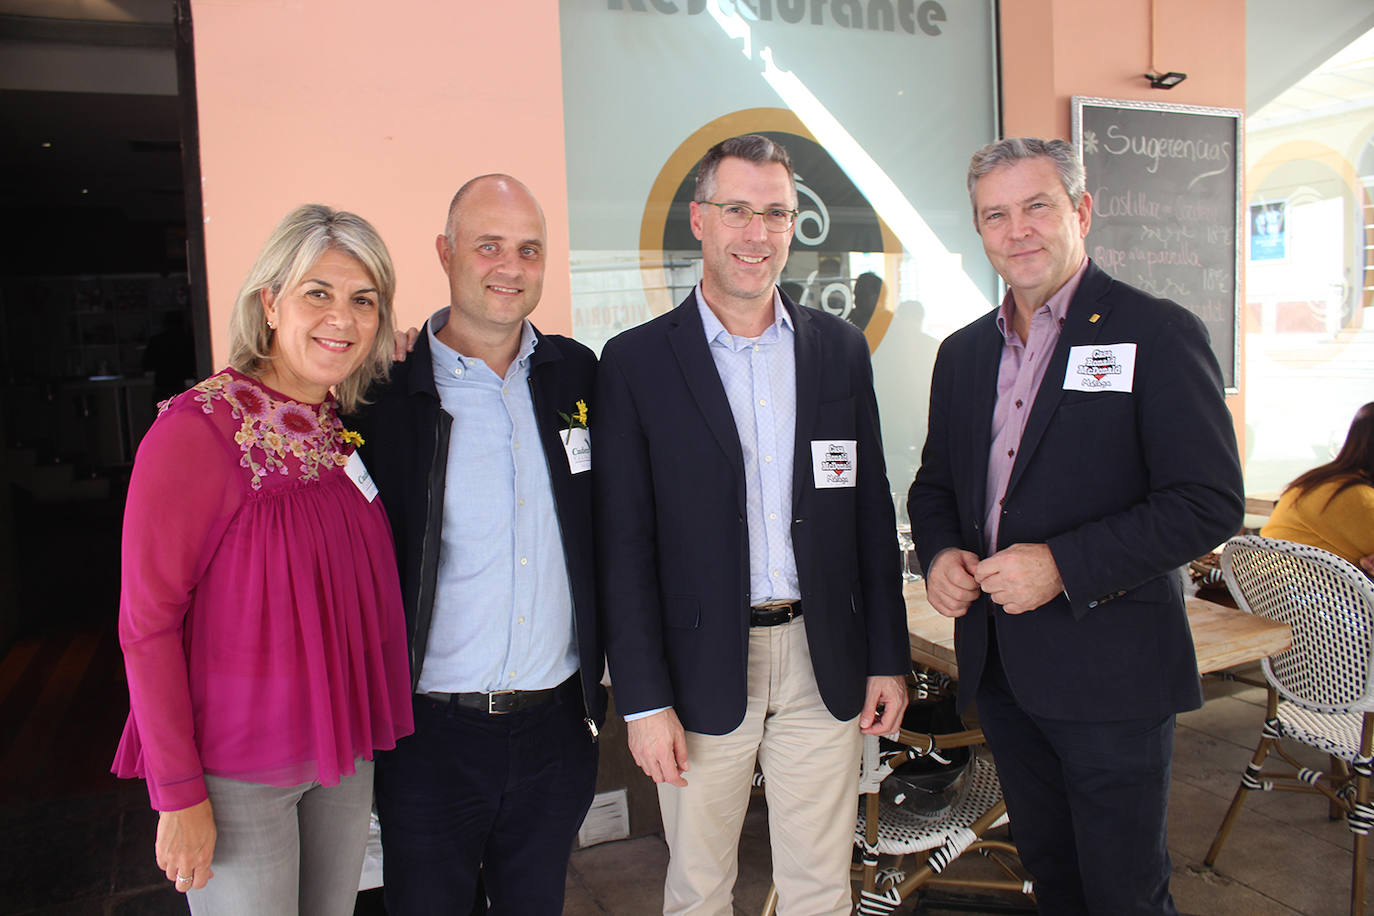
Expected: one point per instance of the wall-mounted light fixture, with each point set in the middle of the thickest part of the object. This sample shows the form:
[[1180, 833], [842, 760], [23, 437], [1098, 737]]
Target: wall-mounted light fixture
[[1160, 79], [1165, 80]]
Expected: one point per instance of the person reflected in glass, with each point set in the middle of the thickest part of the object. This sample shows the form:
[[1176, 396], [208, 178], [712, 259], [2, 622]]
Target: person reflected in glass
[[260, 609], [1332, 505]]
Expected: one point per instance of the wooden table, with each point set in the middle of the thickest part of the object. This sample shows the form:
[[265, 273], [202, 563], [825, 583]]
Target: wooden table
[[1222, 636], [1262, 503]]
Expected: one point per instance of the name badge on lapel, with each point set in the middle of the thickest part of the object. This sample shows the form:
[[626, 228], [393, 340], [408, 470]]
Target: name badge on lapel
[[357, 472], [1100, 367], [577, 442], [834, 462]]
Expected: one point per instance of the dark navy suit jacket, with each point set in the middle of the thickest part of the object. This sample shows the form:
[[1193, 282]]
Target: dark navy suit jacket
[[673, 540], [1124, 487]]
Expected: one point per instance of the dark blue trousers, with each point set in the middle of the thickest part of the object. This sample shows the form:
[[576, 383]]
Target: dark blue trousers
[[1088, 803], [501, 793]]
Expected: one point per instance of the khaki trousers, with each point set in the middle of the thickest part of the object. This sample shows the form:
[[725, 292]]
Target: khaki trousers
[[810, 763]]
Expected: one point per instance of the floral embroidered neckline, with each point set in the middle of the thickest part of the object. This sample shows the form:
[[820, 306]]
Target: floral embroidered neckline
[[273, 427]]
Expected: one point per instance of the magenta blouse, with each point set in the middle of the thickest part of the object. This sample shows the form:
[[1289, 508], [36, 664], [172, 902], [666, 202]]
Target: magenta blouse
[[260, 609]]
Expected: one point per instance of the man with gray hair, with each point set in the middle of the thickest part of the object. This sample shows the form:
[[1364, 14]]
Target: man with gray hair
[[1079, 451], [480, 447]]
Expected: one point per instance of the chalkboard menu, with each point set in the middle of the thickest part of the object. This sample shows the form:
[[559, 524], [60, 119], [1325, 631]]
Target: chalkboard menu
[[1165, 184]]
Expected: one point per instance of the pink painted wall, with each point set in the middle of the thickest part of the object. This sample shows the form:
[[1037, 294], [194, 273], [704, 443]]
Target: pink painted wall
[[385, 110], [380, 109], [1053, 50]]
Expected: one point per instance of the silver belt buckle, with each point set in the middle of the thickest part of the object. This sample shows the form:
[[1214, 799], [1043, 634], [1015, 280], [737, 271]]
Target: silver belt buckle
[[491, 696], [773, 607]]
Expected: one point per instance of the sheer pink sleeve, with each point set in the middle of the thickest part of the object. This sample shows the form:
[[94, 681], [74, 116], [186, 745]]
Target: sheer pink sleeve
[[185, 489]]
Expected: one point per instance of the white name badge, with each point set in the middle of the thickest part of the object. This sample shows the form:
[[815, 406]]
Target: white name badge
[[834, 462], [577, 442], [1100, 367], [357, 472]]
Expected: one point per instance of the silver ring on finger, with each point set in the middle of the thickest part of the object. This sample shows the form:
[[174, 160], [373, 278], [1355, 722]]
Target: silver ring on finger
[[184, 879]]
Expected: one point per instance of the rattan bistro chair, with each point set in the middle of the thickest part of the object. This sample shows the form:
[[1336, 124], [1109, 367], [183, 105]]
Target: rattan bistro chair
[[930, 843], [914, 849], [1320, 691]]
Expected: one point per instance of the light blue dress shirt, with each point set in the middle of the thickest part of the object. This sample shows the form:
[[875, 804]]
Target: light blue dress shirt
[[760, 379], [503, 617]]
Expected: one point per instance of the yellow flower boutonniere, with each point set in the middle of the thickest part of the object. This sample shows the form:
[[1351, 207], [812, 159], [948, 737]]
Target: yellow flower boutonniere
[[578, 418], [352, 438]]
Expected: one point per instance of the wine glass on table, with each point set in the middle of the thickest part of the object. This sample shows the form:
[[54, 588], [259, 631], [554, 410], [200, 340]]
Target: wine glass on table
[[904, 541]]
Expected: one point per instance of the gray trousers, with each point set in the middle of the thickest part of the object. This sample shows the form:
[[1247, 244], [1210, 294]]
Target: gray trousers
[[286, 851]]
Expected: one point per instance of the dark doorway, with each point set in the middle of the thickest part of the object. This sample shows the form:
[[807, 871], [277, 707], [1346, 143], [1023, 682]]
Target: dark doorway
[[98, 305], [99, 318]]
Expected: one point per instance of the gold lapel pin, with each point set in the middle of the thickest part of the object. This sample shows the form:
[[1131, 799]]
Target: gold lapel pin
[[1093, 319]]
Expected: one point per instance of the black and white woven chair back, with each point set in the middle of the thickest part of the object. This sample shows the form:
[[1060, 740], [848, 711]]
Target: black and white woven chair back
[[1329, 604]]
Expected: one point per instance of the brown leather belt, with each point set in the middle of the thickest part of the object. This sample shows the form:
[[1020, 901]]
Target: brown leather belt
[[772, 615]]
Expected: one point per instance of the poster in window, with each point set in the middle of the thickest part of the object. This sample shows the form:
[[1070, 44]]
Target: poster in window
[[1269, 230]]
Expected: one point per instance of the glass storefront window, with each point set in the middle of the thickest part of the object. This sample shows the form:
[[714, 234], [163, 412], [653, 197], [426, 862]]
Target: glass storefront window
[[1309, 344], [879, 102]]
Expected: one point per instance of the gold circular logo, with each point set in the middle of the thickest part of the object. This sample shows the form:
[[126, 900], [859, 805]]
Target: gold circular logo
[[844, 258]]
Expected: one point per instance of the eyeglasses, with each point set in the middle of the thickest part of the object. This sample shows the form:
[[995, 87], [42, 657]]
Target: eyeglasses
[[737, 216]]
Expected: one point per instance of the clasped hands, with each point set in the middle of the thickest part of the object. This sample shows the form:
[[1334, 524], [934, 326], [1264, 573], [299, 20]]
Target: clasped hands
[[1020, 578]]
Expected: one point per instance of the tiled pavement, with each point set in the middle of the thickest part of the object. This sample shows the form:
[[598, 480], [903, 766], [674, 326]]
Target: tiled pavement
[[90, 852], [1283, 856]]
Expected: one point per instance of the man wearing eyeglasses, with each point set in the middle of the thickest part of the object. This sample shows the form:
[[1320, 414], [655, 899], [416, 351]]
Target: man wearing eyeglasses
[[749, 573]]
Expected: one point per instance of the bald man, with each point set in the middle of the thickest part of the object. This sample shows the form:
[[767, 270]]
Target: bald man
[[480, 450]]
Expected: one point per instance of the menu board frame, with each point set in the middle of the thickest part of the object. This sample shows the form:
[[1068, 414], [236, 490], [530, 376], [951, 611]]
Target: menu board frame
[[1217, 264]]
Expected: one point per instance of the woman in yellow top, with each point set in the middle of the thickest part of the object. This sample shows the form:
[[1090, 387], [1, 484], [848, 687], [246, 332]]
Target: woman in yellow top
[[1332, 506]]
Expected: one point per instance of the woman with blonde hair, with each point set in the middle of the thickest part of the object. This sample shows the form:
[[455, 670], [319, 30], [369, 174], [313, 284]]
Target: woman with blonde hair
[[260, 609]]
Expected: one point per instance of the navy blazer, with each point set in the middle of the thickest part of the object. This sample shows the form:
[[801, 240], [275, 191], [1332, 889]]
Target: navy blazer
[[406, 433], [673, 540], [1124, 487]]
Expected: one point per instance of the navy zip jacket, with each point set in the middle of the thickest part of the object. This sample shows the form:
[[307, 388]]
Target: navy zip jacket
[[406, 436]]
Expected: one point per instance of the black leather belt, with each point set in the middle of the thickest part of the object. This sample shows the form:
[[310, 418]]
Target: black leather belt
[[502, 701], [774, 614]]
